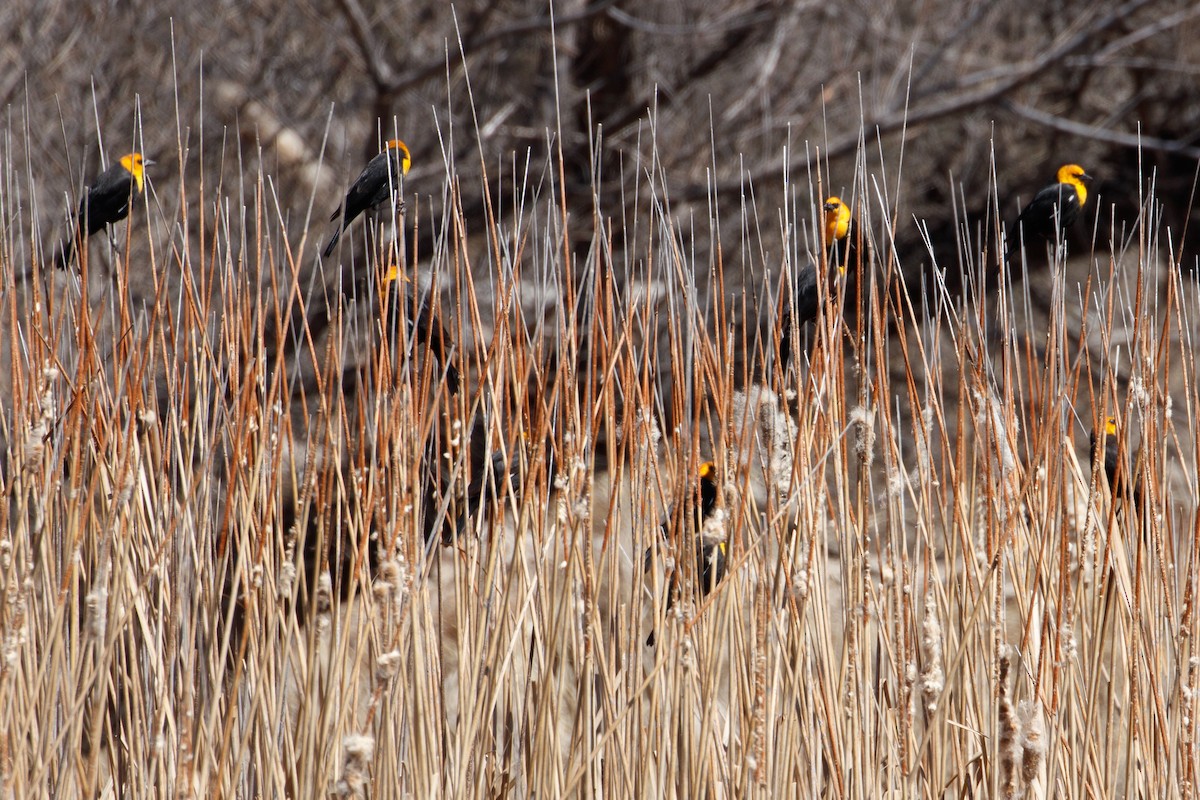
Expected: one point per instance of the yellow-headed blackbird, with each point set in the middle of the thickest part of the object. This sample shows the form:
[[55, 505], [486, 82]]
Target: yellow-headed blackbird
[[373, 188], [1114, 467], [426, 330], [807, 303], [107, 200], [710, 554], [1109, 441], [1052, 210]]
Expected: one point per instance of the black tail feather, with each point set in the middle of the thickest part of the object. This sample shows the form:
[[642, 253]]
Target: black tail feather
[[333, 240], [66, 251]]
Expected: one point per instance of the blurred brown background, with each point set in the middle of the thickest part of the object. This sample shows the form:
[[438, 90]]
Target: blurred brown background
[[683, 88]]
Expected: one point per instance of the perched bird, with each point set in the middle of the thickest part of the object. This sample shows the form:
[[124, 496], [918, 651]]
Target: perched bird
[[107, 200], [374, 187], [428, 331], [1108, 446], [1052, 210], [425, 328], [807, 302], [710, 553], [1109, 443]]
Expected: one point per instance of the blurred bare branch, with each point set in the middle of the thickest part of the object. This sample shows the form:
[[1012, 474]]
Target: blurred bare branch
[[957, 100], [360, 28], [1102, 135]]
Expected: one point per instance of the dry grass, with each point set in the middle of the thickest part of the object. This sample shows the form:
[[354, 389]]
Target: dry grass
[[216, 580]]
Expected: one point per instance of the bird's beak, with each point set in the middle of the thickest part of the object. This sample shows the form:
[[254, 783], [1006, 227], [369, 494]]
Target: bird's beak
[[393, 275], [148, 162], [1086, 177], [831, 206]]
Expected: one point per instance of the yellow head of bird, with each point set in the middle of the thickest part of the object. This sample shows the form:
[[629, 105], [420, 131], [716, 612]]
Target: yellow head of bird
[[405, 156], [1110, 426], [837, 220], [1074, 175], [393, 276], [837, 223], [708, 471], [135, 165]]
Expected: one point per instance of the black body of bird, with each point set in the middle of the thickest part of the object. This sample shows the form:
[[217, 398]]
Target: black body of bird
[[1053, 210], [107, 200], [710, 558], [806, 304], [486, 491], [373, 188]]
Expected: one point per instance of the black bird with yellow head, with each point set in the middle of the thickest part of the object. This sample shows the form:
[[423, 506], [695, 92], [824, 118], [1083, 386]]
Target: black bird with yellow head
[[807, 302], [1052, 210], [374, 187], [107, 200]]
